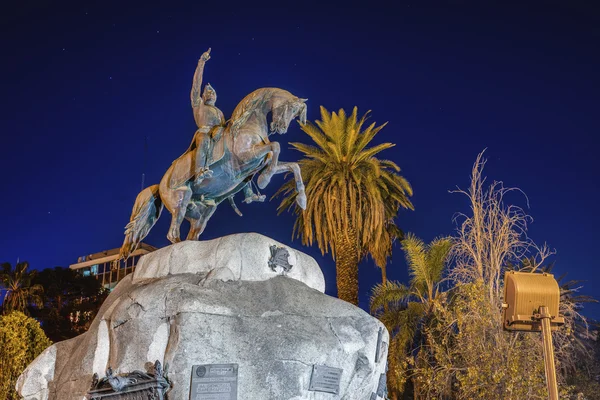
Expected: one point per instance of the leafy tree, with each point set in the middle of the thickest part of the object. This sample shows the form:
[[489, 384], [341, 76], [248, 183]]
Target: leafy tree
[[352, 195], [20, 291], [21, 341], [70, 300], [451, 345], [466, 353], [410, 308]]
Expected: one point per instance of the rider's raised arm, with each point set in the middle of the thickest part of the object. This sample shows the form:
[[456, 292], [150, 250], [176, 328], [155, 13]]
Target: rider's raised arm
[[196, 93]]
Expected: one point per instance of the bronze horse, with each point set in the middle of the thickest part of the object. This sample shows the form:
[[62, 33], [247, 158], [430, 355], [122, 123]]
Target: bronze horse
[[240, 151]]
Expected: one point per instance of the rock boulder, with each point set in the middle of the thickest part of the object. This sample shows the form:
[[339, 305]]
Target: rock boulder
[[219, 302]]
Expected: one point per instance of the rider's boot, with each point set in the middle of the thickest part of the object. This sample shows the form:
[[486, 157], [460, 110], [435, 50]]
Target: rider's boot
[[202, 161], [204, 173]]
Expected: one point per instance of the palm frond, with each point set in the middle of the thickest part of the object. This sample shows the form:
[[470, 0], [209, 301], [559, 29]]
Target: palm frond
[[389, 293], [438, 252], [415, 253]]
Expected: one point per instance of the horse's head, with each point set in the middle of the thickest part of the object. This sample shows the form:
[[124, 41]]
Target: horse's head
[[285, 112]]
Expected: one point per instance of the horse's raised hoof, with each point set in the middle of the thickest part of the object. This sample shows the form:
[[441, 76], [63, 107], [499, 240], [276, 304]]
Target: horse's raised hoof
[[301, 200], [263, 180]]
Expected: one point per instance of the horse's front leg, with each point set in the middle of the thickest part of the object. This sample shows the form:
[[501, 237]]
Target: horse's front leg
[[260, 151], [295, 169]]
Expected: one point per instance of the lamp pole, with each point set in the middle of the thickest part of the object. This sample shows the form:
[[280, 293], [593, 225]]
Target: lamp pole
[[544, 317]]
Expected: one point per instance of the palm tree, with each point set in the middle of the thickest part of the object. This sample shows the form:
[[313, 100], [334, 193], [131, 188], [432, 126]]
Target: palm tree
[[352, 195], [19, 291], [383, 249], [404, 310]]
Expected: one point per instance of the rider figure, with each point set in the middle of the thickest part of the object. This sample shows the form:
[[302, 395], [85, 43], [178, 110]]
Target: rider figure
[[210, 122], [209, 119]]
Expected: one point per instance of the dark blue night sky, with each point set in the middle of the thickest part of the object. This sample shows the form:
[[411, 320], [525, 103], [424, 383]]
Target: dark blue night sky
[[86, 84]]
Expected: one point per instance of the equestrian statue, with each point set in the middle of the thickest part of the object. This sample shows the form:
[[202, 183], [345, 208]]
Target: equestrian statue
[[222, 160]]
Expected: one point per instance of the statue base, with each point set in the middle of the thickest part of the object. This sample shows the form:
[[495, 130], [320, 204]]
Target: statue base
[[229, 318]]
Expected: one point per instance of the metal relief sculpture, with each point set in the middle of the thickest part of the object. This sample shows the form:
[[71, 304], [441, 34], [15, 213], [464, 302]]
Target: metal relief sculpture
[[135, 385], [222, 160], [279, 258]]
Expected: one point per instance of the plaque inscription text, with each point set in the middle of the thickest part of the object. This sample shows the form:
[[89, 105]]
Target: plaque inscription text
[[325, 379], [214, 382]]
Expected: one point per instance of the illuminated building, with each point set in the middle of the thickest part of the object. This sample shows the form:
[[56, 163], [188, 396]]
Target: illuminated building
[[101, 265]]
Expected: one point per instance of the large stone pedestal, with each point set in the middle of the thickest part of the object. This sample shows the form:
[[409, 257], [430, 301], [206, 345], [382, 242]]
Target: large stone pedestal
[[219, 302]]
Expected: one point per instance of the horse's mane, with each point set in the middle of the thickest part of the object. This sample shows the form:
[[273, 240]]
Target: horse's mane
[[252, 102]]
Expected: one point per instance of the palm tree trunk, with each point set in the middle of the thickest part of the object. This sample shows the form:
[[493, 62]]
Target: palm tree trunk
[[346, 265], [386, 306]]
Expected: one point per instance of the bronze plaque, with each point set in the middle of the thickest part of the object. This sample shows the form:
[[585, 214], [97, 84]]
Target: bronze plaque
[[325, 379], [214, 382]]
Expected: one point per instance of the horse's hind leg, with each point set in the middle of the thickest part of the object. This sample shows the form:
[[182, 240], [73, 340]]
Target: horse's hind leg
[[198, 215], [180, 198]]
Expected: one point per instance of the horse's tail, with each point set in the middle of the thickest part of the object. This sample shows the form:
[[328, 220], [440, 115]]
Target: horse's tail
[[146, 211]]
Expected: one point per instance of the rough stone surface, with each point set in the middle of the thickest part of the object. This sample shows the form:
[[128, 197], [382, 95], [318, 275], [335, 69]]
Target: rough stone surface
[[33, 383], [274, 327], [245, 255]]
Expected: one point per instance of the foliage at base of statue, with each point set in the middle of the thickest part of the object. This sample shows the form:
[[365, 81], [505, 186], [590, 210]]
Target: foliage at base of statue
[[469, 356], [21, 341], [583, 386], [465, 354], [584, 381], [458, 349], [70, 302]]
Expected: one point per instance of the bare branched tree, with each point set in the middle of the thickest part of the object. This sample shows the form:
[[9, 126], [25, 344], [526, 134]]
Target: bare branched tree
[[493, 236], [491, 239]]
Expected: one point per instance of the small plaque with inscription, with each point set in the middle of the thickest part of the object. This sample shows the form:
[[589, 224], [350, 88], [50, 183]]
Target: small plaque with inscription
[[378, 348], [382, 388], [325, 379], [214, 382]]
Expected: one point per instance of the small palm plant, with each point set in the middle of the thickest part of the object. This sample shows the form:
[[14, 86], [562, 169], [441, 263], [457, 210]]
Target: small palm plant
[[20, 292], [406, 310]]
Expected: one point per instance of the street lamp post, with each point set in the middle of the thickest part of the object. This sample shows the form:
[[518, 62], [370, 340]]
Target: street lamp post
[[531, 303]]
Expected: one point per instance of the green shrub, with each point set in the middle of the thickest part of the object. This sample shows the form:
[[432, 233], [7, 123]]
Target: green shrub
[[21, 341]]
